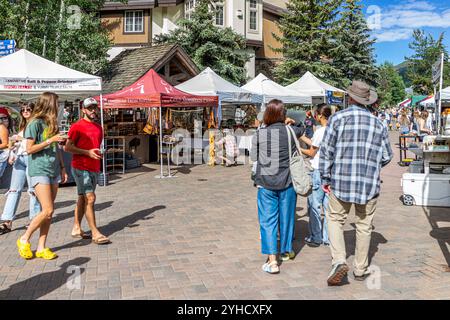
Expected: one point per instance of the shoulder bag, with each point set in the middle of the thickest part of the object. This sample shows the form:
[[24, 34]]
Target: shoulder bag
[[300, 172]]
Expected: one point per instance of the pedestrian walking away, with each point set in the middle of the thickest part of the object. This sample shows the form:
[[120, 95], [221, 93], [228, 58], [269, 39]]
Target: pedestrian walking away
[[84, 141], [353, 151], [318, 200], [19, 160], [46, 170], [277, 198]]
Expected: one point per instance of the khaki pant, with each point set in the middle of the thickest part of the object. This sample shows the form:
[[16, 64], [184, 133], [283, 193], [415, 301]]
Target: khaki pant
[[337, 214]]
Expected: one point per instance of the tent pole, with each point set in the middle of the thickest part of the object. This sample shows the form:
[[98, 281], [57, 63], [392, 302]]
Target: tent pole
[[103, 140], [160, 142]]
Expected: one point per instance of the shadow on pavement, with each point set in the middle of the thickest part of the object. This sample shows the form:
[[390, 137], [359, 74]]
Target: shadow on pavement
[[115, 226], [58, 205], [301, 231], [114, 178], [70, 214], [375, 241], [436, 215], [44, 283]]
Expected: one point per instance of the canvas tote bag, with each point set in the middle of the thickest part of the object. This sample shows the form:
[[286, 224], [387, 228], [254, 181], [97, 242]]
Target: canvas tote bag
[[300, 171]]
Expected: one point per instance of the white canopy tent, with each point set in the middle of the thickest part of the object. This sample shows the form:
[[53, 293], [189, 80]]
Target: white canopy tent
[[209, 83], [445, 94], [24, 76], [310, 85], [271, 90]]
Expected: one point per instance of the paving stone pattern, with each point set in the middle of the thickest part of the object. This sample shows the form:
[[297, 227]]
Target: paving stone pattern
[[197, 237]]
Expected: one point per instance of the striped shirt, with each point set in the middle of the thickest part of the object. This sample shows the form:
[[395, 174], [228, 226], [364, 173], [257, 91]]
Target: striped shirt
[[354, 148]]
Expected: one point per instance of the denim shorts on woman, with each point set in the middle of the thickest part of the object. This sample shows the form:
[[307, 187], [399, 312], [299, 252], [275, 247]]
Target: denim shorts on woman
[[86, 181], [34, 181]]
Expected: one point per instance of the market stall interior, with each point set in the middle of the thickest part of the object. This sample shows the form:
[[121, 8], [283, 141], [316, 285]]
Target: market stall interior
[[142, 98], [235, 103], [25, 75]]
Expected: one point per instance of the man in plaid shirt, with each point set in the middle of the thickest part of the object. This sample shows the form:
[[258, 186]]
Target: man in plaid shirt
[[353, 151]]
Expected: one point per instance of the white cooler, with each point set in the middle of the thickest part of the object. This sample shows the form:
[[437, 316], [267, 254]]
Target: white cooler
[[426, 189]]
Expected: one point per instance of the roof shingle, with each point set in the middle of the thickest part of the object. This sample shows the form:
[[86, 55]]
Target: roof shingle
[[132, 64]]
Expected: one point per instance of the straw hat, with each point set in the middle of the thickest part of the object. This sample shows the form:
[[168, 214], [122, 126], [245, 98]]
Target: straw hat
[[362, 93]]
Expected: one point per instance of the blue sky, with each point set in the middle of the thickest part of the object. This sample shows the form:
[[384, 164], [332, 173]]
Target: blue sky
[[393, 21]]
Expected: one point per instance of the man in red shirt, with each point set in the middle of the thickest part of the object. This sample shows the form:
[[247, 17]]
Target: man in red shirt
[[85, 138]]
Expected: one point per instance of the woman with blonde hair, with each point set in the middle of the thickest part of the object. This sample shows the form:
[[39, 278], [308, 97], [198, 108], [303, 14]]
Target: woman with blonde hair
[[415, 121], [45, 168], [422, 123], [404, 122]]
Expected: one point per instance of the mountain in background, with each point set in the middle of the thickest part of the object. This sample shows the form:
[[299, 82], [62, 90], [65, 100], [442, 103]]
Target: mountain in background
[[402, 69]]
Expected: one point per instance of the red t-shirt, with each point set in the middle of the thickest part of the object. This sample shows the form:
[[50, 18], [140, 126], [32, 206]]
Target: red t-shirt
[[86, 135]]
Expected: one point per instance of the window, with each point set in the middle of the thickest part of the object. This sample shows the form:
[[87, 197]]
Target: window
[[189, 7], [253, 15], [219, 20], [134, 21]]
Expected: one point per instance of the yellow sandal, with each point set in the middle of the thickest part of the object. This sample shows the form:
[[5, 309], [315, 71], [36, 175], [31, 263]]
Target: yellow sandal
[[46, 254], [24, 249]]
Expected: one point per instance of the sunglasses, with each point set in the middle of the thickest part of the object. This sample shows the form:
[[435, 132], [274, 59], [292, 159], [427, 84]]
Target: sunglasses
[[3, 118], [26, 110]]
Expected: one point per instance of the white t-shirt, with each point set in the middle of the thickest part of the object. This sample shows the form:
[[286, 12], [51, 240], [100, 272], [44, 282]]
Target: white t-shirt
[[316, 142]]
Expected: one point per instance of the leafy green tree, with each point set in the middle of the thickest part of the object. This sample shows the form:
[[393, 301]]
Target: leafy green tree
[[354, 52], [221, 49], [427, 50], [58, 30], [308, 41], [391, 88]]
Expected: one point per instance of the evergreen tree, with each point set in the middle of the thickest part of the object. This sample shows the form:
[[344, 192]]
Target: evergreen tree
[[309, 29], [75, 39], [354, 54], [221, 49], [427, 51], [391, 88]]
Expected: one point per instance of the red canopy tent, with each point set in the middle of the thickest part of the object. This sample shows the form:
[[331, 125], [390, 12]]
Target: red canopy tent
[[152, 91]]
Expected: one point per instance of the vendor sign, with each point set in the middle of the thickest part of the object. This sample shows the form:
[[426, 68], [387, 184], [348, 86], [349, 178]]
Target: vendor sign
[[23, 84], [335, 97]]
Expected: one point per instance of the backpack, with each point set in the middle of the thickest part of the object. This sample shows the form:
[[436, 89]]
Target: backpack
[[299, 168]]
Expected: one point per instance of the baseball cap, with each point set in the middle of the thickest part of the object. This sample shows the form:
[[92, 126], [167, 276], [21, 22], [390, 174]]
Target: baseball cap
[[89, 102], [4, 111]]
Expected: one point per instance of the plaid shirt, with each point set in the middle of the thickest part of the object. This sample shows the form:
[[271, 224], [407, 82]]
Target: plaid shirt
[[354, 148]]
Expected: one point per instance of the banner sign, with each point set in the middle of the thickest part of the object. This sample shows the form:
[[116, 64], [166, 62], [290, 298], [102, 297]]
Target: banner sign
[[7, 47], [335, 97], [30, 85], [436, 71]]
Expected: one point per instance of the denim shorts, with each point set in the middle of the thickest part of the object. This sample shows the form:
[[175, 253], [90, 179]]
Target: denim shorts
[[86, 181], [34, 181]]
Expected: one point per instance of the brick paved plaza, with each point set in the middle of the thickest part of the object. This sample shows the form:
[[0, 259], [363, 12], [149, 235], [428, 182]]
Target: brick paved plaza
[[197, 237]]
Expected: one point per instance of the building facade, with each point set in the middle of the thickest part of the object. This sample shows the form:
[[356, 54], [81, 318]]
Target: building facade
[[136, 23]]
